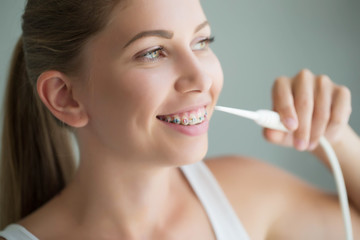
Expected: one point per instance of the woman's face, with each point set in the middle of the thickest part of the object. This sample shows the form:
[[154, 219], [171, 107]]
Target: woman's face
[[152, 64]]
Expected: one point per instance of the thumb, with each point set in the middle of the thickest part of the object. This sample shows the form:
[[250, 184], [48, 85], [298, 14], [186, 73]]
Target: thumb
[[278, 137]]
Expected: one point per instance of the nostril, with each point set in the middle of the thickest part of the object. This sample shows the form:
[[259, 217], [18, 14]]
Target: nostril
[[199, 83]]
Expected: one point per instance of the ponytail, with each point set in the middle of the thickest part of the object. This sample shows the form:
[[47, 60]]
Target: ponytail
[[36, 158]]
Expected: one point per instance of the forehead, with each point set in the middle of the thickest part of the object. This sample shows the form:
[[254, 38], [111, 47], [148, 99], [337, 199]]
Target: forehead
[[141, 15]]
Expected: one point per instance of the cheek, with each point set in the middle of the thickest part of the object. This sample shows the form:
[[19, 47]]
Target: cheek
[[214, 69], [123, 105], [132, 97], [147, 89], [130, 92]]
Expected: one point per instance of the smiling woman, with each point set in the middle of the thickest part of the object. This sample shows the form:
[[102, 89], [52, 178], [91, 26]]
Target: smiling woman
[[138, 93]]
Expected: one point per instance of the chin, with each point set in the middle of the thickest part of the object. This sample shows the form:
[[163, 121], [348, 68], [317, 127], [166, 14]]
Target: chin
[[192, 152]]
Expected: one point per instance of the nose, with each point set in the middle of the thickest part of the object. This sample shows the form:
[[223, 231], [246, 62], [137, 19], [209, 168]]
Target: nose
[[193, 76]]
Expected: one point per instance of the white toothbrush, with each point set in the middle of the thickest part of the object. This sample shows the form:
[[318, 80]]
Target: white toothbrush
[[265, 118]]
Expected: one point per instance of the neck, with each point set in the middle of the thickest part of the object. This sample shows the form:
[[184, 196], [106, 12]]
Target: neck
[[111, 194]]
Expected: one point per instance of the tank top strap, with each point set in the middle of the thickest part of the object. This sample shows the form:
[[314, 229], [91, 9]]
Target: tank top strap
[[222, 216], [17, 232]]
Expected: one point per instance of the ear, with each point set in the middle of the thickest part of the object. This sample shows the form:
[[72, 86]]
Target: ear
[[55, 91]]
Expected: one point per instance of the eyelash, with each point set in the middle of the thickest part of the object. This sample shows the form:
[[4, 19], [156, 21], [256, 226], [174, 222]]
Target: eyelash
[[207, 41], [146, 57]]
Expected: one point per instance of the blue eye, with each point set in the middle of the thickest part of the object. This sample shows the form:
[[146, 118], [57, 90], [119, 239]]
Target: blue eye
[[203, 44], [152, 55]]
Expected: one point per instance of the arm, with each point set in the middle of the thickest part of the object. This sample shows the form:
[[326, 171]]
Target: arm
[[348, 152], [308, 213]]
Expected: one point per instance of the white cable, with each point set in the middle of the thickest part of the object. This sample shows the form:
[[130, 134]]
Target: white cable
[[271, 119], [340, 185]]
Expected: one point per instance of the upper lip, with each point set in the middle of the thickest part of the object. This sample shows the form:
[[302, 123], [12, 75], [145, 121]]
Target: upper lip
[[189, 108]]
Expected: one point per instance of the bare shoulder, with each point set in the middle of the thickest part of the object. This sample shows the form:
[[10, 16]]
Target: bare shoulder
[[256, 190], [252, 181], [252, 176], [274, 204]]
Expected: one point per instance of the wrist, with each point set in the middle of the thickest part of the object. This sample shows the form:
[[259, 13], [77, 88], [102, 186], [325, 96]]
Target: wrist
[[346, 143]]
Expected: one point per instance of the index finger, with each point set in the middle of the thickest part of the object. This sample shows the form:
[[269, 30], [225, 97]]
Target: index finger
[[283, 102]]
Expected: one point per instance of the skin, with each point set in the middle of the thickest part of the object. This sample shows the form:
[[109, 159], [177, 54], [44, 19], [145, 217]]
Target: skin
[[126, 151]]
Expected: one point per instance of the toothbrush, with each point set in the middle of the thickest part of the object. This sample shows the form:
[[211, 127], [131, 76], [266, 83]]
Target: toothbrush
[[265, 118], [271, 119]]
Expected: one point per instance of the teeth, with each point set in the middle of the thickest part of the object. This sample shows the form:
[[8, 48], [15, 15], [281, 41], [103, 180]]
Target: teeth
[[185, 120], [168, 119], [190, 118], [201, 115], [177, 119], [193, 119]]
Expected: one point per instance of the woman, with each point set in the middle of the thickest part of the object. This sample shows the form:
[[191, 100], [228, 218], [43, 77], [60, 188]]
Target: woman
[[136, 83]]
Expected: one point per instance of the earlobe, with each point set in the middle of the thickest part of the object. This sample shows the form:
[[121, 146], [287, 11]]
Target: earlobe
[[56, 92]]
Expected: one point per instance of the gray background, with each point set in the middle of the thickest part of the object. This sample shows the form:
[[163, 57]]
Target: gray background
[[257, 41]]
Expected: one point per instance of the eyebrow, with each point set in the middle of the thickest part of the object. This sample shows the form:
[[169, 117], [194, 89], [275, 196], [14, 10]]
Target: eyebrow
[[161, 33], [201, 26]]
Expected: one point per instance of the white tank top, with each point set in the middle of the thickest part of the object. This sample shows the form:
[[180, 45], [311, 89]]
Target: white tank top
[[223, 218]]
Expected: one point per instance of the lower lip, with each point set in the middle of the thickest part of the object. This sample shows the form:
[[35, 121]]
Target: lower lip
[[190, 130]]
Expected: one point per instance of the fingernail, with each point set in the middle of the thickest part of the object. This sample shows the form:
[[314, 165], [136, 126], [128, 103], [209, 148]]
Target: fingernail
[[290, 123], [300, 145], [312, 146]]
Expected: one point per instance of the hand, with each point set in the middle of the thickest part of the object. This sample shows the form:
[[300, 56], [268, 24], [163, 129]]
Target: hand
[[310, 106]]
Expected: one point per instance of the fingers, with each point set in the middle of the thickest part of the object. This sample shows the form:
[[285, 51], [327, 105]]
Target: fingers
[[340, 113], [278, 137], [310, 107], [322, 108], [283, 102], [303, 88]]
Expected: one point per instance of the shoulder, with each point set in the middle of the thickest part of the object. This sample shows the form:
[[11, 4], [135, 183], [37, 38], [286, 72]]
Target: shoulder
[[252, 175], [261, 194], [247, 181], [273, 204]]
